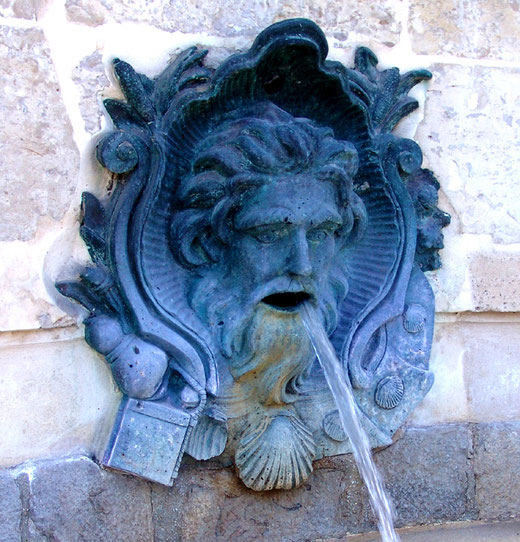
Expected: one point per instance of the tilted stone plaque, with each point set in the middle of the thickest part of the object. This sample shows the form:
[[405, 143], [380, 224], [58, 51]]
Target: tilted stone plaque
[[242, 193]]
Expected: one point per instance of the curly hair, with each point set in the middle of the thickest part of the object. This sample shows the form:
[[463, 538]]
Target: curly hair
[[248, 148]]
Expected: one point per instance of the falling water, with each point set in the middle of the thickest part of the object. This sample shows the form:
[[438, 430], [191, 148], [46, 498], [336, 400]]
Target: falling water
[[345, 402]]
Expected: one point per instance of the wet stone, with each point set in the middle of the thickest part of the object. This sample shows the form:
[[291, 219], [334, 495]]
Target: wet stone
[[497, 470], [455, 472], [10, 509], [38, 158], [426, 474], [212, 504], [74, 500]]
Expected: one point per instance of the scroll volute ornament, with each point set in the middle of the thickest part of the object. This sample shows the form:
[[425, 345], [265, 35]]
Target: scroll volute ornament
[[243, 192]]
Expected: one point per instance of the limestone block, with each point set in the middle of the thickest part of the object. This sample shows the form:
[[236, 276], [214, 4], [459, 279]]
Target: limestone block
[[23, 9], [426, 474], [57, 397], [477, 275], [447, 400], [38, 158], [26, 303], [467, 28], [91, 80], [244, 17], [10, 509], [74, 500], [477, 374], [471, 138], [497, 470], [495, 281], [492, 371]]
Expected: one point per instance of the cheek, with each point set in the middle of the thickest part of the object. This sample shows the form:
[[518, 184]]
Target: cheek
[[250, 256], [323, 253]]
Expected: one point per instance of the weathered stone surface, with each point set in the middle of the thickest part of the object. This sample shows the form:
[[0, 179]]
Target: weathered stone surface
[[26, 302], [22, 9], [428, 474], [244, 17], [74, 500], [474, 531], [91, 80], [447, 400], [443, 473], [89, 12], [57, 398], [495, 281], [477, 374], [471, 134], [213, 505], [484, 29], [470, 137], [38, 158], [477, 274], [10, 508], [492, 371], [497, 470]]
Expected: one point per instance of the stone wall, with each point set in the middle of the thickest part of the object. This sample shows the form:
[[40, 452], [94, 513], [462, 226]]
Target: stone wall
[[58, 396], [437, 474]]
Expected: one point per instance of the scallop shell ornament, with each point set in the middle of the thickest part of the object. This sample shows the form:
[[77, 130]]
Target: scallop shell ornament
[[275, 453], [332, 426], [208, 439], [414, 318], [389, 392]]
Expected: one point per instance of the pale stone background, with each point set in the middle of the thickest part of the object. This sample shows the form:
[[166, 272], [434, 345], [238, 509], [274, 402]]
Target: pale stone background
[[55, 55]]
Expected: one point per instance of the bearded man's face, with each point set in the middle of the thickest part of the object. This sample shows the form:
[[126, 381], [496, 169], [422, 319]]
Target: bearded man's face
[[284, 241], [281, 250], [279, 255]]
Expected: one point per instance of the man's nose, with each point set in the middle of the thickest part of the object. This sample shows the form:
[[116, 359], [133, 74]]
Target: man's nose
[[299, 259]]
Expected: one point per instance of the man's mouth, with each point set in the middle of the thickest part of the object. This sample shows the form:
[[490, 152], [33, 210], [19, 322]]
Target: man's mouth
[[286, 301]]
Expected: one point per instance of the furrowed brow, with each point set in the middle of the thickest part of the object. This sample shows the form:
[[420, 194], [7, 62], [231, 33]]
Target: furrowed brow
[[263, 217]]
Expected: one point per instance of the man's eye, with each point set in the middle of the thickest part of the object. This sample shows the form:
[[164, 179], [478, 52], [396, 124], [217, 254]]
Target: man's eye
[[317, 236], [267, 236]]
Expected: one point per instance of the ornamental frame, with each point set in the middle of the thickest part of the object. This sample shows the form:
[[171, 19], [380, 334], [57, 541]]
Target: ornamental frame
[[169, 360]]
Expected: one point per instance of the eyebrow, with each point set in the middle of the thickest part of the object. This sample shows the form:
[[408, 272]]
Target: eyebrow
[[283, 215]]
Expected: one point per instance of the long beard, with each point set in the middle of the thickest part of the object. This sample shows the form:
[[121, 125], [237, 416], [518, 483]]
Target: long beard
[[230, 316], [274, 354], [268, 353], [275, 449]]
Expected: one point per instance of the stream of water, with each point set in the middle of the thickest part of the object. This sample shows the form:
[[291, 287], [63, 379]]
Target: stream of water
[[344, 398]]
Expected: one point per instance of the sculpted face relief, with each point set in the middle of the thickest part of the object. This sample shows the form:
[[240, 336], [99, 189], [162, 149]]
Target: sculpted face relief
[[245, 193]]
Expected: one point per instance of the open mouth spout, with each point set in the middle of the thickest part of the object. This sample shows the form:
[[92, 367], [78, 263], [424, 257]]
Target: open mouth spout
[[286, 301]]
